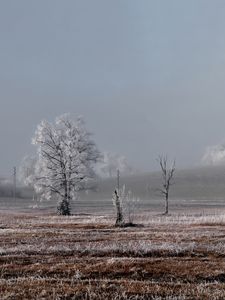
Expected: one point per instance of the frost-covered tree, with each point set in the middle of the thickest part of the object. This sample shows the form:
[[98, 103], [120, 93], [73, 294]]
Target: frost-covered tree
[[27, 173], [110, 163], [214, 155], [66, 154], [27, 170]]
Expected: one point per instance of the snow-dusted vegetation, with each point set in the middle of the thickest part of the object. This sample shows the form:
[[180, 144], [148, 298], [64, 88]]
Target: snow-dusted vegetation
[[66, 155], [179, 256]]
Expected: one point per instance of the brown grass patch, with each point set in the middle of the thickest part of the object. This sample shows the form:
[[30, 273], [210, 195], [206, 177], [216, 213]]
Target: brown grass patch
[[58, 258]]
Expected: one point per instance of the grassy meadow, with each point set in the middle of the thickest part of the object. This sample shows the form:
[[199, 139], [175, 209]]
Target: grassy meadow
[[84, 256]]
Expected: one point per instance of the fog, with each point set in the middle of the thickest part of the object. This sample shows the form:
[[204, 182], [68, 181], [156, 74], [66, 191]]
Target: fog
[[148, 76]]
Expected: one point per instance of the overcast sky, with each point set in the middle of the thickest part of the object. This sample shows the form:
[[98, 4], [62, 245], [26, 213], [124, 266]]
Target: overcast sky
[[148, 76]]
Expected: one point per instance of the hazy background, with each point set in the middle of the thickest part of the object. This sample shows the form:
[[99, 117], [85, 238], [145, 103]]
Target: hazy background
[[148, 76]]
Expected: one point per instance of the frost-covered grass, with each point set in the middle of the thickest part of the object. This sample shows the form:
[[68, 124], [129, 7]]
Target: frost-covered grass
[[179, 256], [191, 217]]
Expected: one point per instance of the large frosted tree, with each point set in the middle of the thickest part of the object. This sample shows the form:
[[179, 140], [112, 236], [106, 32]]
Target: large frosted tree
[[66, 155]]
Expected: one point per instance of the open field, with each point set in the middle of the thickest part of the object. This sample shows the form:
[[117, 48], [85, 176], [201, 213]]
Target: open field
[[180, 256]]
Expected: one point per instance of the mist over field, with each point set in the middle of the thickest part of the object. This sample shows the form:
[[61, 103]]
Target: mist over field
[[193, 189], [112, 152]]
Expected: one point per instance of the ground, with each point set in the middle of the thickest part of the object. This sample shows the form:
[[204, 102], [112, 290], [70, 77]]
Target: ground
[[180, 256]]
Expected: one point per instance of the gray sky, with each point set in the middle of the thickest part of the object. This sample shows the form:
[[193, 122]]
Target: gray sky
[[148, 76]]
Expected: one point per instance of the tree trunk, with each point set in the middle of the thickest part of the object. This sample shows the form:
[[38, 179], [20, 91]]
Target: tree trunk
[[119, 218], [166, 204], [64, 206]]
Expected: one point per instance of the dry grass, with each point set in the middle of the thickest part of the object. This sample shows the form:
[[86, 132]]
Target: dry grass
[[86, 257]]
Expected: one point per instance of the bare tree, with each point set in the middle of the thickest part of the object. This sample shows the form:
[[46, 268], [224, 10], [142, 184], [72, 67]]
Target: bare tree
[[167, 179], [119, 212]]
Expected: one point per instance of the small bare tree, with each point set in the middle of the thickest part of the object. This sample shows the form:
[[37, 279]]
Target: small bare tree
[[126, 206], [167, 179], [117, 201], [118, 206]]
